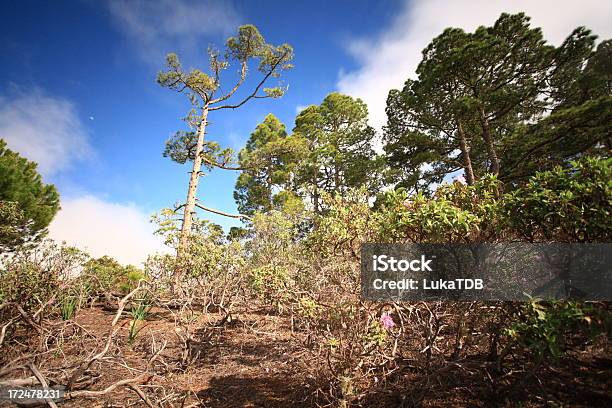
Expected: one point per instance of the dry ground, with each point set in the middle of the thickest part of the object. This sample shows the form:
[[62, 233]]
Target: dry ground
[[256, 360]]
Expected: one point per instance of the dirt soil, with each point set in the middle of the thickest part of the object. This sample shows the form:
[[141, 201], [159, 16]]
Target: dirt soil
[[255, 360], [247, 362]]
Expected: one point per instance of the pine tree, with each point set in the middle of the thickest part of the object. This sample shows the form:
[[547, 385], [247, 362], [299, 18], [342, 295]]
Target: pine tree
[[27, 205], [203, 90]]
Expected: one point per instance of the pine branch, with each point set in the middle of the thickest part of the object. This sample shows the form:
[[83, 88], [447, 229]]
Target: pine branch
[[222, 213]]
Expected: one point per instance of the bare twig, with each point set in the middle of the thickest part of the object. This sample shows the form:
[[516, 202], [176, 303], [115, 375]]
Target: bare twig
[[28, 319], [43, 382]]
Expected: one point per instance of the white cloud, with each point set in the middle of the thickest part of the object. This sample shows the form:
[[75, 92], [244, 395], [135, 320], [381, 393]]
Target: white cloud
[[47, 130], [300, 108], [43, 129], [388, 60], [104, 228], [158, 27]]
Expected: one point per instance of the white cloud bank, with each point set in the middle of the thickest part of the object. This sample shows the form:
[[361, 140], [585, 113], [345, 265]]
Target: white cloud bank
[[388, 60], [158, 27], [44, 129], [47, 130], [104, 228]]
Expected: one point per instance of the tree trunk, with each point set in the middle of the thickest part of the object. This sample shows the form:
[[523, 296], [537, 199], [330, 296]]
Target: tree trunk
[[190, 203], [316, 199], [465, 154], [486, 136], [269, 186], [315, 193]]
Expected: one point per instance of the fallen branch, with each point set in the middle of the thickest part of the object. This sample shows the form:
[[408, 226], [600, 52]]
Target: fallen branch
[[141, 394], [20, 382], [93, 394], [83, 367], [43, 382]]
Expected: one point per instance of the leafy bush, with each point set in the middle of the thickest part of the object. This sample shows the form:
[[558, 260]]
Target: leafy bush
[[32, 278], [565, 204], [274, 258], [543, 327], [211, 265], [104, 275], [205, 250], [456, 213], [346, 224]]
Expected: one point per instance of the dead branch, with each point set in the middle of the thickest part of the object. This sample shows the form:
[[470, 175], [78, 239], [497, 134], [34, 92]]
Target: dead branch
[[158, 352], [43, 382], [20, 382], [141, 394], [28, 319], [4, 328], [123, 303], [83, 367], [222, 213], [145, 377], [224, 166]]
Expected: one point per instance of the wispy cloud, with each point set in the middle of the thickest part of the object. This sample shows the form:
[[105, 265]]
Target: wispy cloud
[[300, 108], [48, 131], [236, 140], [158, 27], [43, 129], [105, 228], [392, 57]]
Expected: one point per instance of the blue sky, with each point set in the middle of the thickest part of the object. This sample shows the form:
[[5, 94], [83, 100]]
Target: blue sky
[[78, 91]]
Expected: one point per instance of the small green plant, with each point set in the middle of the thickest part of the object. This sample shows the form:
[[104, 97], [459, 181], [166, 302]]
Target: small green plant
[[68, 306], [139, 312]]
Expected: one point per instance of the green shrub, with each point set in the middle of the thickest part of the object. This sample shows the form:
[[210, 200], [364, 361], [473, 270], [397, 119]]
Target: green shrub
[[105, 275], [275, 261], [31, 278], [543, 327], [422, 219], [565, 204], [346, 224]]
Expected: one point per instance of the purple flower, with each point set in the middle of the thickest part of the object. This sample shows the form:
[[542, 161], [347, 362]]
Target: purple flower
[[387, 321]]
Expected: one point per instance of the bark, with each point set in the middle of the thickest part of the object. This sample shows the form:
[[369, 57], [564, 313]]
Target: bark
[[190, 203], [486, 136], [465, 154], [316, 200]]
